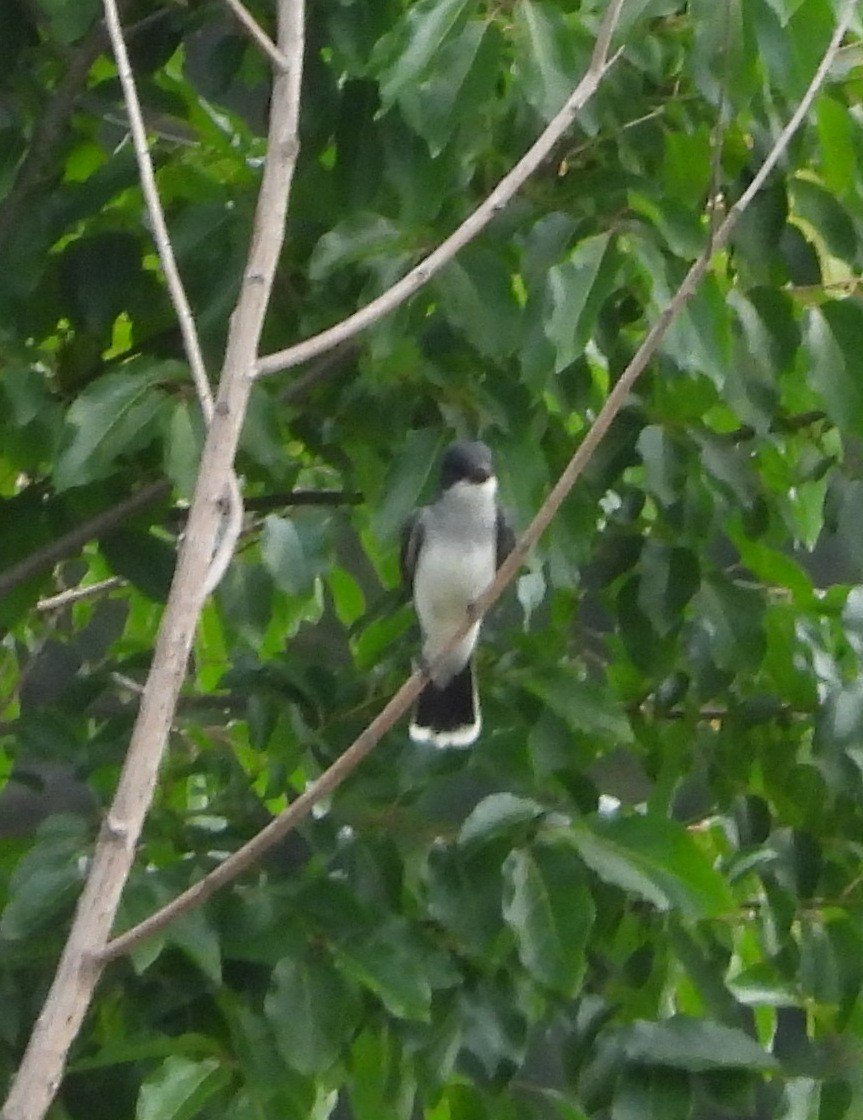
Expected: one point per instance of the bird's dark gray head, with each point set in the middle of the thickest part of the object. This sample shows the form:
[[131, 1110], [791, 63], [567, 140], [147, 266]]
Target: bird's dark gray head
[[466, 461]]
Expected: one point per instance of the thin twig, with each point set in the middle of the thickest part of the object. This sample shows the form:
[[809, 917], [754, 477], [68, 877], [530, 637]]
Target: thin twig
[[71, 542], [126, 682], [159, 226], [299, 809], [71, 991], [714, 199], [499, 198], [77, 594], [258, 35], [232, 522]]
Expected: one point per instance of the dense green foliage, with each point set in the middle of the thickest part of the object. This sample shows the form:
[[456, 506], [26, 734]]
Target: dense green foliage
[[455, 935]]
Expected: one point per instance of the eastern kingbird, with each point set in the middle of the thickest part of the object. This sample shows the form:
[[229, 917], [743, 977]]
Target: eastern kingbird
[[450, 553]]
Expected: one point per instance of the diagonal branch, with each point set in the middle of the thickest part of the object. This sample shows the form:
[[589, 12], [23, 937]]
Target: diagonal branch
[[233, 520], [300, 808], [257, 34], [71, 542], [499, 198], [179, 300], [101, 523], [78, 971]]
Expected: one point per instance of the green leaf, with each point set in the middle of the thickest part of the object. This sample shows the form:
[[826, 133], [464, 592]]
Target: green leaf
[[476, 295], [403, 56], [245, 598], [550, 911], [561, 1105], [825, 214], [464, 895], [785, 9], [25, 396], [775, 568], [348, 598], [498, 814], [762, 985], [180, 1088], [669, 579], [644, 645], [144, 559], [70, 19], [652, 1093], [358, 239], [45, 880], [99, 274], [395, 967], [451, 91], [696, 1045], [406, 478], [664, 467], [284, 557], [377, 639], [653, 858], [820, 975], [770, 329], [548, 63], [733, 618], [834, 337], [35, 905], [686, 166], [199, 940], [261, 439], [377, 1088], [585, 705], [494, 1024], [313, 1012], [567, 325], [185, 438], [119, 1050], [836, 133], [700, 338], [114, 417], [725, 53]]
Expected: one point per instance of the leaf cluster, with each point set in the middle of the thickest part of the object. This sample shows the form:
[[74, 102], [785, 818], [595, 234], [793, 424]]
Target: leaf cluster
[[639, 894]]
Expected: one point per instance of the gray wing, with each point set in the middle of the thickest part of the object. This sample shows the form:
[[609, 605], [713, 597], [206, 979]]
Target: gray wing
[[505, 540], [412, 538]]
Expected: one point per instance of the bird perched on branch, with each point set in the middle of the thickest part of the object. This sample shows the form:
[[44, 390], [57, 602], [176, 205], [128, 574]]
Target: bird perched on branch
[[450, 553]]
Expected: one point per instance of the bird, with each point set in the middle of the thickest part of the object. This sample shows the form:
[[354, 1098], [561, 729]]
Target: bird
[[450, 552]]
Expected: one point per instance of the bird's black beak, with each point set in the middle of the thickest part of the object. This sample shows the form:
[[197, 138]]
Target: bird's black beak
[[480, 474]]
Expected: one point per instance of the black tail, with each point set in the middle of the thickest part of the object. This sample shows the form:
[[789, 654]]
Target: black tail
[[448, 716]]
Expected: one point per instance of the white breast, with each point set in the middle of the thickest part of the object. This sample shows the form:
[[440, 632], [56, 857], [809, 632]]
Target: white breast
[[455, 566]]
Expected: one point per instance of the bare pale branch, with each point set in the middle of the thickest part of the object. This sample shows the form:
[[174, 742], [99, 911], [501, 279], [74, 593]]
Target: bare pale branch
[[497, 201], [41, 1070], [257, 34], [77, 594], [233, 520], [159, 226]]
